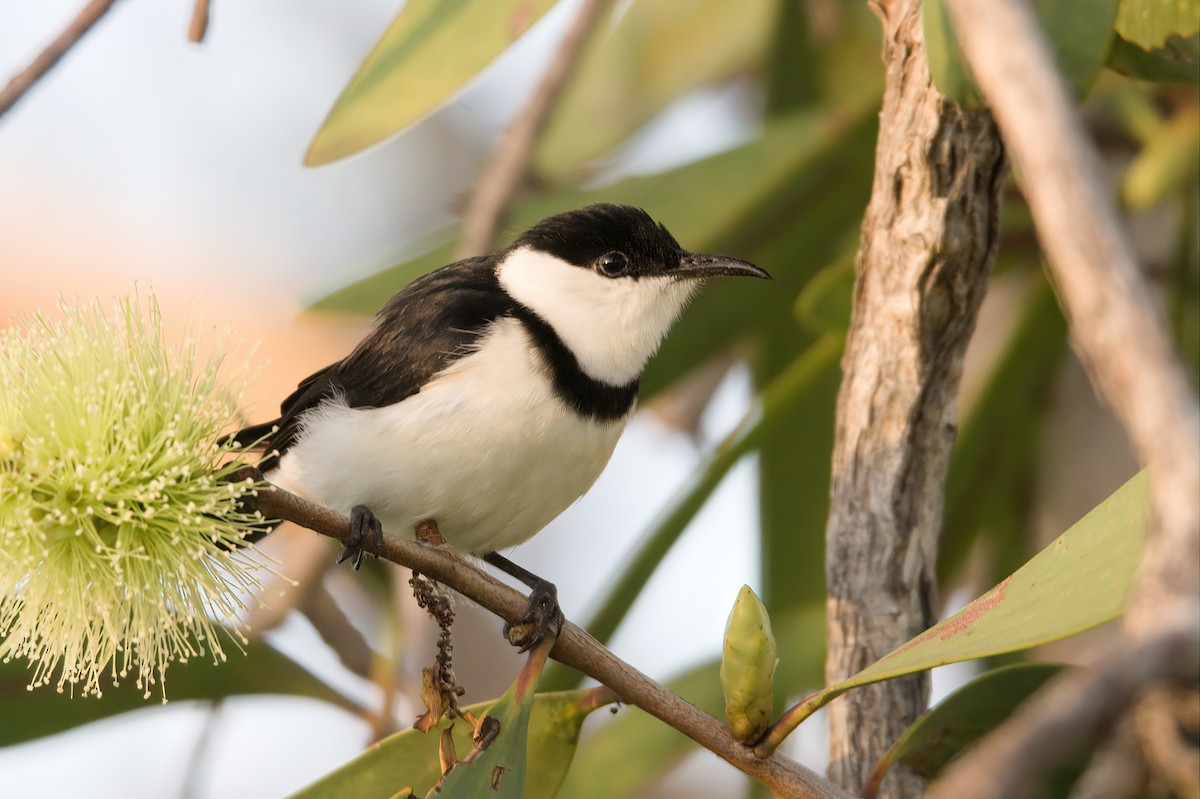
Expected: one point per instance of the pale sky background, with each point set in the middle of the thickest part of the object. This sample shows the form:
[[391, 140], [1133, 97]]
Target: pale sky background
[[145, 158]]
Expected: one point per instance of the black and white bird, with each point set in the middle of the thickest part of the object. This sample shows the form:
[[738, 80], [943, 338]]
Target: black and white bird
[[492, 391]]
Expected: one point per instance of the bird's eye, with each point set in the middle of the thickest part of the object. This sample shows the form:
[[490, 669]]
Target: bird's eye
[[613, 263]]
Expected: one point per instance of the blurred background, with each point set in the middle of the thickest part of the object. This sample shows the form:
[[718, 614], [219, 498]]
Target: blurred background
[[143, 160]]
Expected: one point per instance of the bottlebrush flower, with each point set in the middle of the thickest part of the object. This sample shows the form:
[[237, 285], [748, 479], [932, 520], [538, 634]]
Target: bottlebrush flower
[[120, 546]]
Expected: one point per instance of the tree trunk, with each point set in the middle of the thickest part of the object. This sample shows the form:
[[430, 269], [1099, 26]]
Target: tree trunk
[[928, 241]]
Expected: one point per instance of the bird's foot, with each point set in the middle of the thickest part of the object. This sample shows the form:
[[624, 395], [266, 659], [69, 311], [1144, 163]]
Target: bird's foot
[[542, 618], [363, 525]]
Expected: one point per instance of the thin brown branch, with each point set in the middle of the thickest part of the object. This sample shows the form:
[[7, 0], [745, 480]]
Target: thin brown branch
[[510, 160], [574, 648], [1068, 712], [199, 24], [23, 81], [928, 241]]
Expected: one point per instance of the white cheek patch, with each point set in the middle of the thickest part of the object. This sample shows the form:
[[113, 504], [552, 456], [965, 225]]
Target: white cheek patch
[[612, 325]]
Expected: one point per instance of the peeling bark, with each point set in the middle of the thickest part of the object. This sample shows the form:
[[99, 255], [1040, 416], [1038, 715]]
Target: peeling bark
[[928, 241]]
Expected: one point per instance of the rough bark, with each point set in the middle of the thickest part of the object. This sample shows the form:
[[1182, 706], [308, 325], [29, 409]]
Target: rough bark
[[928, 241]]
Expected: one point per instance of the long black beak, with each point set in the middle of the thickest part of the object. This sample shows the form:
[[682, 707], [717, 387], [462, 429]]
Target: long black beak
[[701, 265]]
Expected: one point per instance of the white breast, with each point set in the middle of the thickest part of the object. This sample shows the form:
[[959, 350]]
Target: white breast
[[486, 449]]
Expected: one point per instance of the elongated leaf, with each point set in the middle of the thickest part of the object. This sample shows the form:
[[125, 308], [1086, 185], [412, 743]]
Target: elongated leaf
[[410, 758], [702, 203], [962, 718], [1166, 164], [827, 299], [430, 51], [1080, 42], [657, 51], [262, 670], [1175, 62], [1078, 582], [946, 64], [1149, 24], [994, 467]]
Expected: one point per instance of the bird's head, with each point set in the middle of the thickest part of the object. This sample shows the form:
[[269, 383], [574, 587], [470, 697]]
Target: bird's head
[[610, 281]]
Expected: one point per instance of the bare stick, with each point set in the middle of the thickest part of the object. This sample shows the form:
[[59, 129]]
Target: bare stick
[[1064, 715], [199, 24], [23, 81], [575, 648], [510, 160], [928, 241]]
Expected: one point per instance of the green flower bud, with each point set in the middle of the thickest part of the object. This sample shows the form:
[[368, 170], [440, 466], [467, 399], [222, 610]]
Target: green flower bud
[[748, 668]]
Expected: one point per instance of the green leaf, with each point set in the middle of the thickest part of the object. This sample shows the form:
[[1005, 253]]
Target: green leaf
[[1175, 62], [431, 49], [1166, 164], [1084, 577], [262, 670], [950, 73], [634, 750], [410, 758], [704, 204], [991, 477], [827, 299], [658, 51], [1080, 42], [962, 718], [1149, 24]]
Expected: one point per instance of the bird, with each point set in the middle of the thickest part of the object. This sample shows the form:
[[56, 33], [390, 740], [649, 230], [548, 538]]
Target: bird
[[491, 392]]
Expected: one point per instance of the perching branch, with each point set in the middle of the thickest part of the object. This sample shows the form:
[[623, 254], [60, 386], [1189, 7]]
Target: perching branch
[[928, 241], [574, 648], [510, 160], [23, 81]]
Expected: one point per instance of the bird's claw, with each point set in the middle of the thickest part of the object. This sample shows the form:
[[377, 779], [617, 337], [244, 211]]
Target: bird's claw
[[363, 525], [543, 617]]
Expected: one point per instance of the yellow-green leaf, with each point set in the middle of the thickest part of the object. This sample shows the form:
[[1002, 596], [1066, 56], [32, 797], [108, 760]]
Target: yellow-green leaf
[[431, 49], [1150, 23], [261, 670], [410, 758], [1166, 164], [657, 51], [1078, 582], [962, 718]]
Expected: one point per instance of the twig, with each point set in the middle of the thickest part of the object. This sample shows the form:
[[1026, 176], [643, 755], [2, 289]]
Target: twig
[[199, 25], [23, 81], [1069, 711], [510, 160], [928, 241], [574, 648]]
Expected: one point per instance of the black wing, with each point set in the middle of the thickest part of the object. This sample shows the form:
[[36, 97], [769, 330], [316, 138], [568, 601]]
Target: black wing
[[428, 325]]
